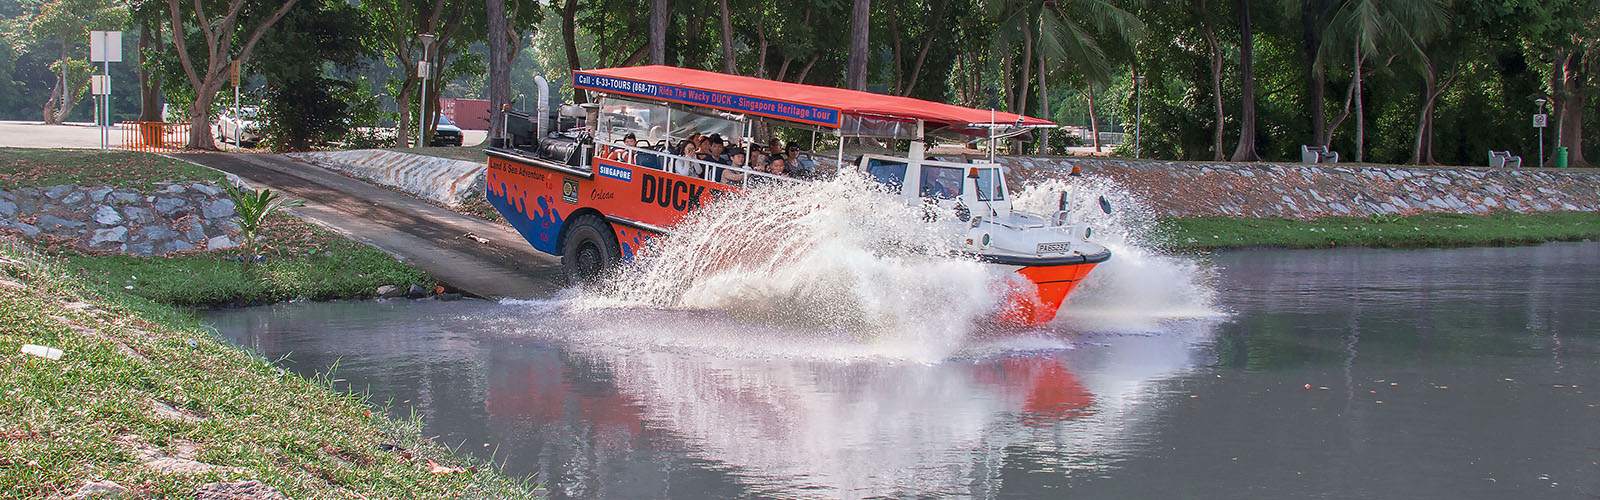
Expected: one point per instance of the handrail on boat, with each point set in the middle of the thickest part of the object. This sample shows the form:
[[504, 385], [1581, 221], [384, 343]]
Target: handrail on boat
[[706, 173]]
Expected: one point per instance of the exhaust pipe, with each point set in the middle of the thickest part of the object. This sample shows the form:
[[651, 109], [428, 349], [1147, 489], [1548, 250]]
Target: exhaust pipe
[[538, 107]]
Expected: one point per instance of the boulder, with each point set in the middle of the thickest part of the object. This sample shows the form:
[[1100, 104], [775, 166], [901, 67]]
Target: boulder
[[170, 206], [139, 214], [178, 246], [196, 232], [158, 233], [74, 198], [96, 195], [26, 229], [142, 249], [217, 209], [57, 192], [208, 189], [126, 196], [390, 291], [220, 243], [51, 223], [416, 292], [107, 216], [8, 209], [117, 234], [172, 189]]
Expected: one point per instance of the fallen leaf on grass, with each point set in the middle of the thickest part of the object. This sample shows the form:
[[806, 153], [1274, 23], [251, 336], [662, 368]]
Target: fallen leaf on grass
[[435, 468]]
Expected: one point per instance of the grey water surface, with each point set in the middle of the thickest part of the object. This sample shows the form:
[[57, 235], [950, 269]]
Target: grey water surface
[[1351, 373]]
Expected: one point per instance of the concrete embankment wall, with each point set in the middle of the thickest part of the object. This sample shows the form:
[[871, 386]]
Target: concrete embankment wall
[[1304, 191], [443, 180]]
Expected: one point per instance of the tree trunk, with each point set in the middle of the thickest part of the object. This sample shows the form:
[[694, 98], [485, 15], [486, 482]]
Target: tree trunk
[[1026, 80], [761, 48], [402, 124], [219, 37], [658, 31], [1247, 88], [927, 42], [1361, 118], [1316, 81], [569, 36], [729, 63], [1422, 146], [1094, 121], [860, 23], [58, 100], [499, 66], [1216, 87], [801, 78], [1044, 107], [1570, 134], [149, 85]]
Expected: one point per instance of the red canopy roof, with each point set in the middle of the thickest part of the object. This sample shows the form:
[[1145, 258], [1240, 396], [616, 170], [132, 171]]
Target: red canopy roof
[[811, 104]]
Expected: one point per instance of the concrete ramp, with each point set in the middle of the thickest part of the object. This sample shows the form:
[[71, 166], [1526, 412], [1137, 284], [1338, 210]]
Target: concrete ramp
[[443, 180]]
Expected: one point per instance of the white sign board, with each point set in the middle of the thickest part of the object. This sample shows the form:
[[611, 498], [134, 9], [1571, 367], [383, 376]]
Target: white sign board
[[422, 69], [100, 84], [1540, 120], [105, 46]]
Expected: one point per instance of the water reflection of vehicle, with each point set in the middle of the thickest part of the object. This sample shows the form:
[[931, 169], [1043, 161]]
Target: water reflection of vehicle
[[570, 195], [837, 428]]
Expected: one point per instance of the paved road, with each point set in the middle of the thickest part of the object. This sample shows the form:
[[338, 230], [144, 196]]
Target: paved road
[[424, 235], [21, 134]]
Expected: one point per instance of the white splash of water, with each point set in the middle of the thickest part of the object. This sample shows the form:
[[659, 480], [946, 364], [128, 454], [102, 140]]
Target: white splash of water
[[823, 257], [1141, 283]]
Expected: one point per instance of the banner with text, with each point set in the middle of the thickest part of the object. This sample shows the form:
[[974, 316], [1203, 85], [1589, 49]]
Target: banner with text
[[803, 113]]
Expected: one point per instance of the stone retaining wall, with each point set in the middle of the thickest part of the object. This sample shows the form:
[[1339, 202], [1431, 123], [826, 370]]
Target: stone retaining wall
[[443, 180], [176, 218], [1304, 191]]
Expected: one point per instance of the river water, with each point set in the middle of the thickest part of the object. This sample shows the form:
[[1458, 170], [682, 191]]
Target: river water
[[1351, 373]]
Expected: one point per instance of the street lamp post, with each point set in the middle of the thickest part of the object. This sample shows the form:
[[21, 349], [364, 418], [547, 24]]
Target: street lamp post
[[423, 69], [1540, 126], [1138, 116]]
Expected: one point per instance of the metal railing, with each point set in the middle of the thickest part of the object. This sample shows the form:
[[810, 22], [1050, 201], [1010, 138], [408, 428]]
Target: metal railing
[[708, 170], [154, 137]]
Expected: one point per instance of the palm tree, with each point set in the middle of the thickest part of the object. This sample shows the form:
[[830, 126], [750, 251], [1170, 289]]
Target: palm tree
[[1363, 28], [1063, 34]]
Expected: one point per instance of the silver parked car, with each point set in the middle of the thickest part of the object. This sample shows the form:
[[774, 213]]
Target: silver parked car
[[242, 128]]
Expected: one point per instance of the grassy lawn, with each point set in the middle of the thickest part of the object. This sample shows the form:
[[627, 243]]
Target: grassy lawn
[[138, 376], [301, 260], [20, 167], [1425, 230]]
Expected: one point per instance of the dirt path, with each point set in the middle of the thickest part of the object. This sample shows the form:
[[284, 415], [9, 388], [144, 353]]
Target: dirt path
[[424, 235]]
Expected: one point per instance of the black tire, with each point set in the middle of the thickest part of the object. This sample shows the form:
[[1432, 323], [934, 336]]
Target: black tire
[[589, 249]]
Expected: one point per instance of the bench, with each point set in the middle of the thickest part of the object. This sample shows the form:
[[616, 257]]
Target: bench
[[1504, 159], [1317, 154]]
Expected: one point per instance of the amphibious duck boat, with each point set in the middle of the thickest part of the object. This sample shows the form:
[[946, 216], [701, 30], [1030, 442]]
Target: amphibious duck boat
[[603, 182]]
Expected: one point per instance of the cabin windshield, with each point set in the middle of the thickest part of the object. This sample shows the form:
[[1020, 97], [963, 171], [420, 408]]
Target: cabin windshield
[[989, 186], [889, 172], [941, 182]]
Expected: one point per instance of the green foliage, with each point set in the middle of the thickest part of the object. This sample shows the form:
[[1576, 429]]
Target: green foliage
[[253, 208]]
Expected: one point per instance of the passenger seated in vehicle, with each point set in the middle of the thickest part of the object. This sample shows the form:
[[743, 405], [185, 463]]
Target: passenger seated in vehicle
[[736, 158], [716, 152], [624, 155], [682, 165]]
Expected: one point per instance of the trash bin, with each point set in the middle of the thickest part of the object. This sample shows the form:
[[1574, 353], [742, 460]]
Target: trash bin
[[1561, 157]]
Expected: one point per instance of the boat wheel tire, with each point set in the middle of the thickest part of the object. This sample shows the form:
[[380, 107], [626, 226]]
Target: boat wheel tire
[[589, 249]]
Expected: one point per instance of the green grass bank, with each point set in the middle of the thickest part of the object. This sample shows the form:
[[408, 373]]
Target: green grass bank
[[1416, 231], [298, 260], [143, 397]]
